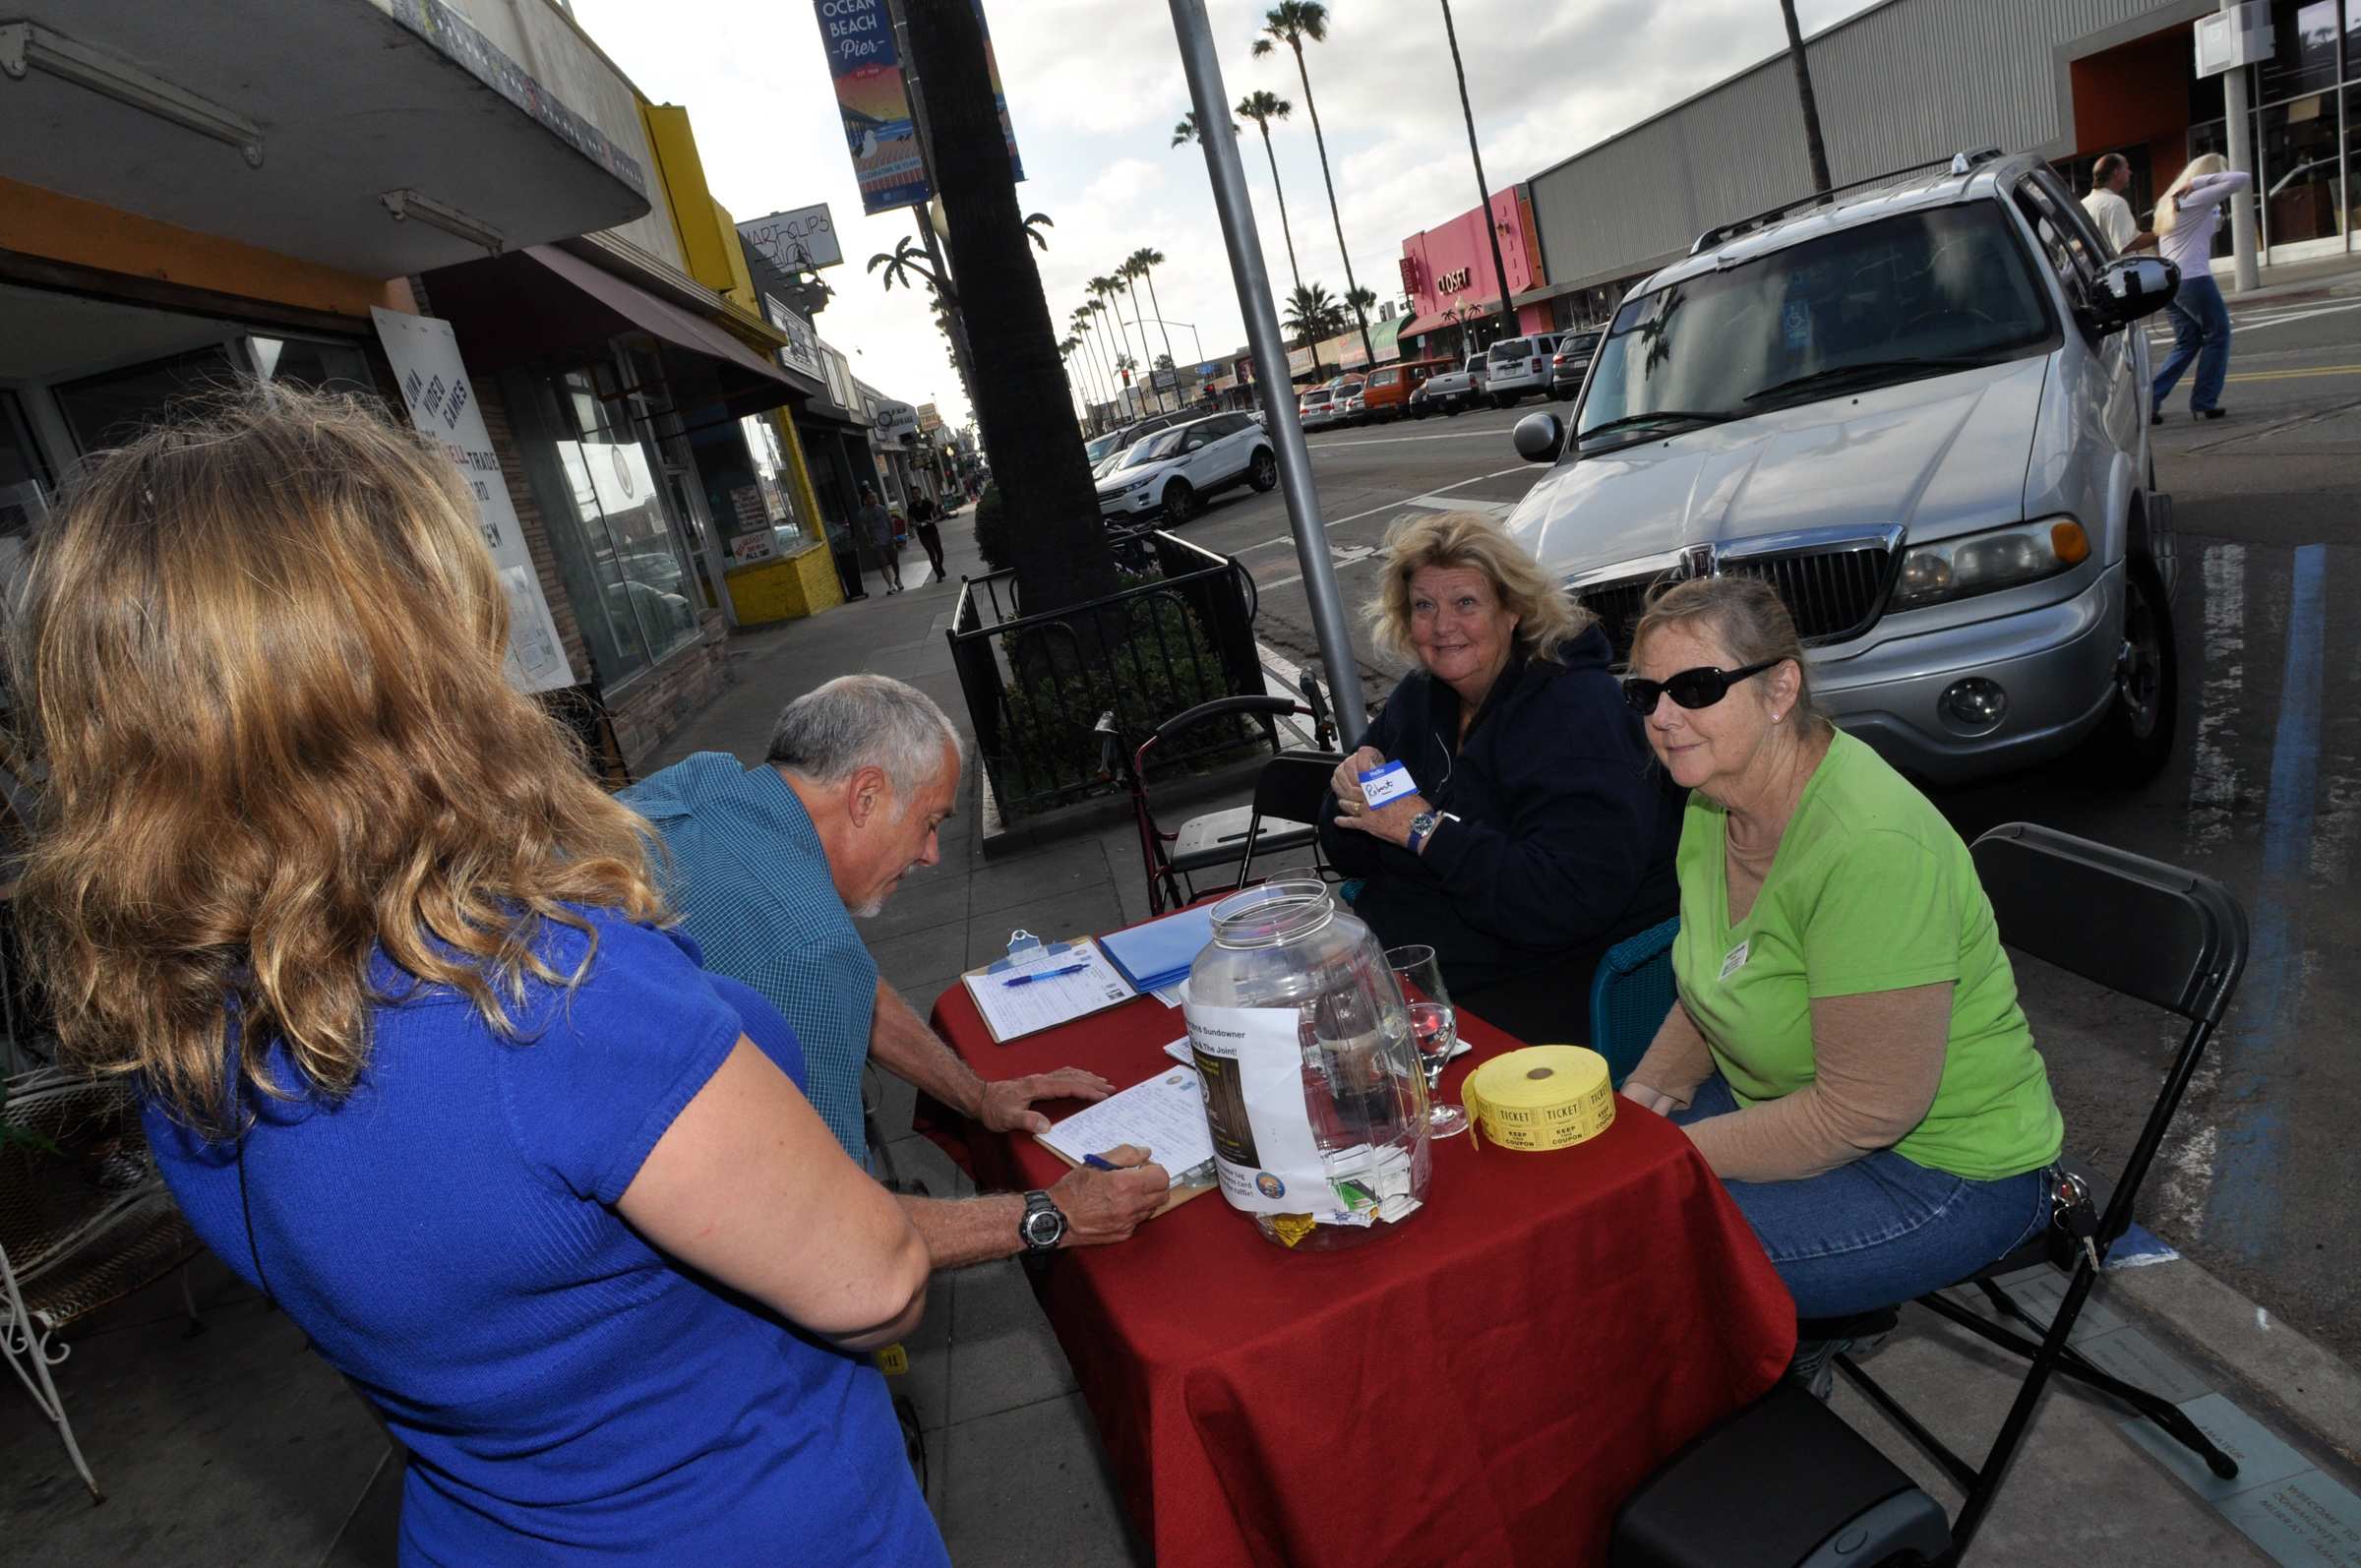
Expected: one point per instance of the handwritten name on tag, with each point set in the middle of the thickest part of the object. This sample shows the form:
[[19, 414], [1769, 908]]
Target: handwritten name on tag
[[1381, 786]]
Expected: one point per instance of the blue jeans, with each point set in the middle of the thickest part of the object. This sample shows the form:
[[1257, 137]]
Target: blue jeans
[[2201, 330], [1880, 1230]]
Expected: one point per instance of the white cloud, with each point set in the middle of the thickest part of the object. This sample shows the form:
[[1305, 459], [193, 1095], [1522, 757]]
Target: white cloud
[[1095, 86]]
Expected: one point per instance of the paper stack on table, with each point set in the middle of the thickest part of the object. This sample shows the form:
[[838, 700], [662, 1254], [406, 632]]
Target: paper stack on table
[[1165, 1116], [1159, 954]]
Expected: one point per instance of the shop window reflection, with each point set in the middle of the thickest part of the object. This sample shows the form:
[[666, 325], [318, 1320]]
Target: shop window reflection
[[2299, 143]]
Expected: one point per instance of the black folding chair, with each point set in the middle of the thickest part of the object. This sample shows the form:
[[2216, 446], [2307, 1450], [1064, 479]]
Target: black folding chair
[[2151, 931], [1283, 816]]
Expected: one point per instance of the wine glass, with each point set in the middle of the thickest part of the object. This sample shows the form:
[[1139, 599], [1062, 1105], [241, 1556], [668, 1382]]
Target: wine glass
[[1435, 1028], [1419, 974]]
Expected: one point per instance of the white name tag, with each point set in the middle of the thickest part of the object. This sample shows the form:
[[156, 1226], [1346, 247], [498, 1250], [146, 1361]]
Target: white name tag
[[1735, 961], [1380, 786]]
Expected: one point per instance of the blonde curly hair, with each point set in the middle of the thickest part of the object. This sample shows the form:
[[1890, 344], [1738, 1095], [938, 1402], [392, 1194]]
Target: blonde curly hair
[[1547, 616]]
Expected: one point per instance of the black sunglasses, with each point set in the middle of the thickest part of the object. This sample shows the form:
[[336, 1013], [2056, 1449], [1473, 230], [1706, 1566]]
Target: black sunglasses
[[1700, 688]]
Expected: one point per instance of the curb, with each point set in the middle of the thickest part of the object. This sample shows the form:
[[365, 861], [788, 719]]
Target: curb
[[2209, 1320]]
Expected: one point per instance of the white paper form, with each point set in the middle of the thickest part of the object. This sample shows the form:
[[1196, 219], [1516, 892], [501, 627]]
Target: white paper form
[[1046, 1002], [1165, 1116]]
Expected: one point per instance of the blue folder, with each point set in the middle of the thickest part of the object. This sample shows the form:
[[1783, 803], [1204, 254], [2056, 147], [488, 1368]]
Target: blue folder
[[1159, 953]]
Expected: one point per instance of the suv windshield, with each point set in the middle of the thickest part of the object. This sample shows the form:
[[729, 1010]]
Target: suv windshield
[[1511, 348], [1098, 451], [1158, 445], [1916, 294]]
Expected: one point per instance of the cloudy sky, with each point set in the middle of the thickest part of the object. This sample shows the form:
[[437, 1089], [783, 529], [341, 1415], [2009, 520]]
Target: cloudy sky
[[1094, 88]]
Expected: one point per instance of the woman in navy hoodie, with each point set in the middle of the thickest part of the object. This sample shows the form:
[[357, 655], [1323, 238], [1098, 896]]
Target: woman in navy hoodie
[[1541, 831]]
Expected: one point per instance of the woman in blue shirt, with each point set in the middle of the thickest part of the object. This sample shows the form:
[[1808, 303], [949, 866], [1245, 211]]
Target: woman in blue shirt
[[422, 1061]]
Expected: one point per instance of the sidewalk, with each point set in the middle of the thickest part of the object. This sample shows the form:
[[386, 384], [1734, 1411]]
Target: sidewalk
[[240, 1447]]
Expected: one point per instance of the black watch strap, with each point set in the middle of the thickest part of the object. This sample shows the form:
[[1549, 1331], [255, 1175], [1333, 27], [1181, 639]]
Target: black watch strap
[[1042, 1225]]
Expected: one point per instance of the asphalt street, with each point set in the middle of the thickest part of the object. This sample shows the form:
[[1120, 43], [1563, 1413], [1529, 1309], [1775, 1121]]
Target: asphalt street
[[2264, 790]]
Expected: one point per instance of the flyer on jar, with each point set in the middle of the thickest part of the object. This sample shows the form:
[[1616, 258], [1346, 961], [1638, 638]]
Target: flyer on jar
[[1251, 1061]]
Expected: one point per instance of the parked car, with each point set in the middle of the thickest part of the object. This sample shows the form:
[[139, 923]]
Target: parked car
[[1450, 391], [1568, 365], [1318, 406], [1922, 412], [1350, 405], [1519, 365], [1173, 472], [1392, 387]]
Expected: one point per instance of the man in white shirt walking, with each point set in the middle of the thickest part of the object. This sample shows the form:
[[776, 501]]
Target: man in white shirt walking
[[2109, 211]]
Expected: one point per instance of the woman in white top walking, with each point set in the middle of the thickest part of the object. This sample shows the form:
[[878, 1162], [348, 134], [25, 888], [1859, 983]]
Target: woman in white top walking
[[2187, 214]]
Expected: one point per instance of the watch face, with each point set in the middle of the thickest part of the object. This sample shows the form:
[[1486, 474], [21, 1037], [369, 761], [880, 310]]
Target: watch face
[[1043, 1227]]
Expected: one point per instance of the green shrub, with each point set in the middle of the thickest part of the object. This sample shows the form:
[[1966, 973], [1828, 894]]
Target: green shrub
[[1165, 665], [992, 530]]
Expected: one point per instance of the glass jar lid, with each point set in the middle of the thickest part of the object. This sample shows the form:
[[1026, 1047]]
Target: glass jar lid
[[1272, 915]]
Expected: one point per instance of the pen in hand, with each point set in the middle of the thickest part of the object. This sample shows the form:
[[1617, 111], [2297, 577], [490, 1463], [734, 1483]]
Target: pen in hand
[[1047, 974]]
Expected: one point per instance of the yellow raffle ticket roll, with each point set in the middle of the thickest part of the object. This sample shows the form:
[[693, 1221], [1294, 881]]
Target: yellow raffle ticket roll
[[1543, 1097]]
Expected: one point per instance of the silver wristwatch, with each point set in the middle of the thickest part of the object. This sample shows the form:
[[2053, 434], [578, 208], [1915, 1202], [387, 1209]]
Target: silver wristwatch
[[1420, 825], [1044, 1223]]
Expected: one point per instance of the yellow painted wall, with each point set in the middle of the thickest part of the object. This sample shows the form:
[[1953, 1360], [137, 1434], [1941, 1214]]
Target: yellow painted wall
[[682, 173], [787, 588], [66, 228]]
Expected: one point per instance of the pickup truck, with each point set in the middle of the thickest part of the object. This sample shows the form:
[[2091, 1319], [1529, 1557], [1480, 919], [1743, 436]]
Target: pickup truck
[[1452, 391]]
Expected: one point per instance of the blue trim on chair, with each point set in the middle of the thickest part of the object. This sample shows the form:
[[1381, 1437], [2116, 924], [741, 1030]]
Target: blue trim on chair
[[1630, 996]]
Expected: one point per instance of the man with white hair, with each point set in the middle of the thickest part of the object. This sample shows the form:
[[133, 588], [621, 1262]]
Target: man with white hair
[[769, 865]]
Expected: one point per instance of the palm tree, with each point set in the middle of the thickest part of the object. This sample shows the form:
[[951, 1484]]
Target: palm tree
[[1085, 320], [1291, 21], [1091, 312], [1035, 222], [1186, 130], [1812, 144], [1059, 546], [1127, 368], [1313, 314], [1147, 258], [1127, 273], [1078, 357], [1483, 192], [1262, 107], [1104, 291]]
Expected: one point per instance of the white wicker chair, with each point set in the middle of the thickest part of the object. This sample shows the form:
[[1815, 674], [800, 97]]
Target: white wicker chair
[[84, 1220]]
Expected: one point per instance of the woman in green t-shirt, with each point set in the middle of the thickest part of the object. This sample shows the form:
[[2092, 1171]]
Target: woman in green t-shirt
[[1846, 1051]]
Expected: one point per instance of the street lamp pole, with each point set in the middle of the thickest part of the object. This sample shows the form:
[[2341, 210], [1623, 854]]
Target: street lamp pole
[[1244, 246], [2238, 121]]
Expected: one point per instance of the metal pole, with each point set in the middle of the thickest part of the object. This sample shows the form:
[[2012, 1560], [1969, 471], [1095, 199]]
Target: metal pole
[[1244, 245], [2239, 121], [1484, 195]]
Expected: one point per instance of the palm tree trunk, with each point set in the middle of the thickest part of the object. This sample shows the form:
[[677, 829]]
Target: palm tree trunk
[[1147, 372], [1167, 331], [1483, 192], [1292, 271], [1337, 216], [1098, 357], [1053, 507], [1812, 142]]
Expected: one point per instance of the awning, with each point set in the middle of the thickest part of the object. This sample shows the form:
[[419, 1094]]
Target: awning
[[288, 126], [543, 301]]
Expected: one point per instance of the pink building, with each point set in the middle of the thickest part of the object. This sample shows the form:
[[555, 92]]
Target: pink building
[[1448, 269]]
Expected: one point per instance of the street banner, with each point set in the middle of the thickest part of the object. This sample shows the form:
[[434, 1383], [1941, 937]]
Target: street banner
[[425, 355], [866, 65], [800, 241]]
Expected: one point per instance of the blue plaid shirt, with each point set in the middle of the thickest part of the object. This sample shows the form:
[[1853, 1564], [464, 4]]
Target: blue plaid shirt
[[750, 882]]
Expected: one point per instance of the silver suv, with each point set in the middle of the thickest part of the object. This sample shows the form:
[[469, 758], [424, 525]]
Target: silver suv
[[1920, 415]]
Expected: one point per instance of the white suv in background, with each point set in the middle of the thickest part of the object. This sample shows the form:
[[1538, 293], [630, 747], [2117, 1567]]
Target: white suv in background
[[1519, 365], [1174, 470]]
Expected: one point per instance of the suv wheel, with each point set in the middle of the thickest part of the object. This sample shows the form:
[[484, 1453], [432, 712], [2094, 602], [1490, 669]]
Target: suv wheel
[[1504, 399], [1263, 472], [2133, 741], [1180, 501]]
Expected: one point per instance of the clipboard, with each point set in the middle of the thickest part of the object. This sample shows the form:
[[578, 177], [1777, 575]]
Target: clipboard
[[1206, 1181], [1106, 987]]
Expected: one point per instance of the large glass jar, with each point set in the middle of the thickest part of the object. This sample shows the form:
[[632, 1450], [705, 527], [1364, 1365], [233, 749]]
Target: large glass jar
[[1313, 1091]]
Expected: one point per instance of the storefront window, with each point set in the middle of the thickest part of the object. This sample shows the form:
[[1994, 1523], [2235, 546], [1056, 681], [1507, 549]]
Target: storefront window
[[775, 481], [309, 362], [2303, 57], [2299, 142], [623, 568], [108, 410]]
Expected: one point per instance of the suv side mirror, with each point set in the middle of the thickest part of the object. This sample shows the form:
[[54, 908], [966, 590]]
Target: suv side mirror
[[2134, 286], [1537, 438]]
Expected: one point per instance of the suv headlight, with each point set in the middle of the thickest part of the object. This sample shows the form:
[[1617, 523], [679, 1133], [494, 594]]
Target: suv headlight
[[1981, 563]]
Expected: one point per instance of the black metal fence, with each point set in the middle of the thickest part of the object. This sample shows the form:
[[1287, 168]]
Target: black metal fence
[[1181, 635]]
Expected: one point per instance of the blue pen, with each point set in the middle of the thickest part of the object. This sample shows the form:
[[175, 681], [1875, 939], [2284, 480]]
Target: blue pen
[[1097, 1163], [1047, 974]]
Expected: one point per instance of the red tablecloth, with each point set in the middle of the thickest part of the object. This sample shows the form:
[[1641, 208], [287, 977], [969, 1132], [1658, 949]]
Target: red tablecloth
[[1482, 1387]]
